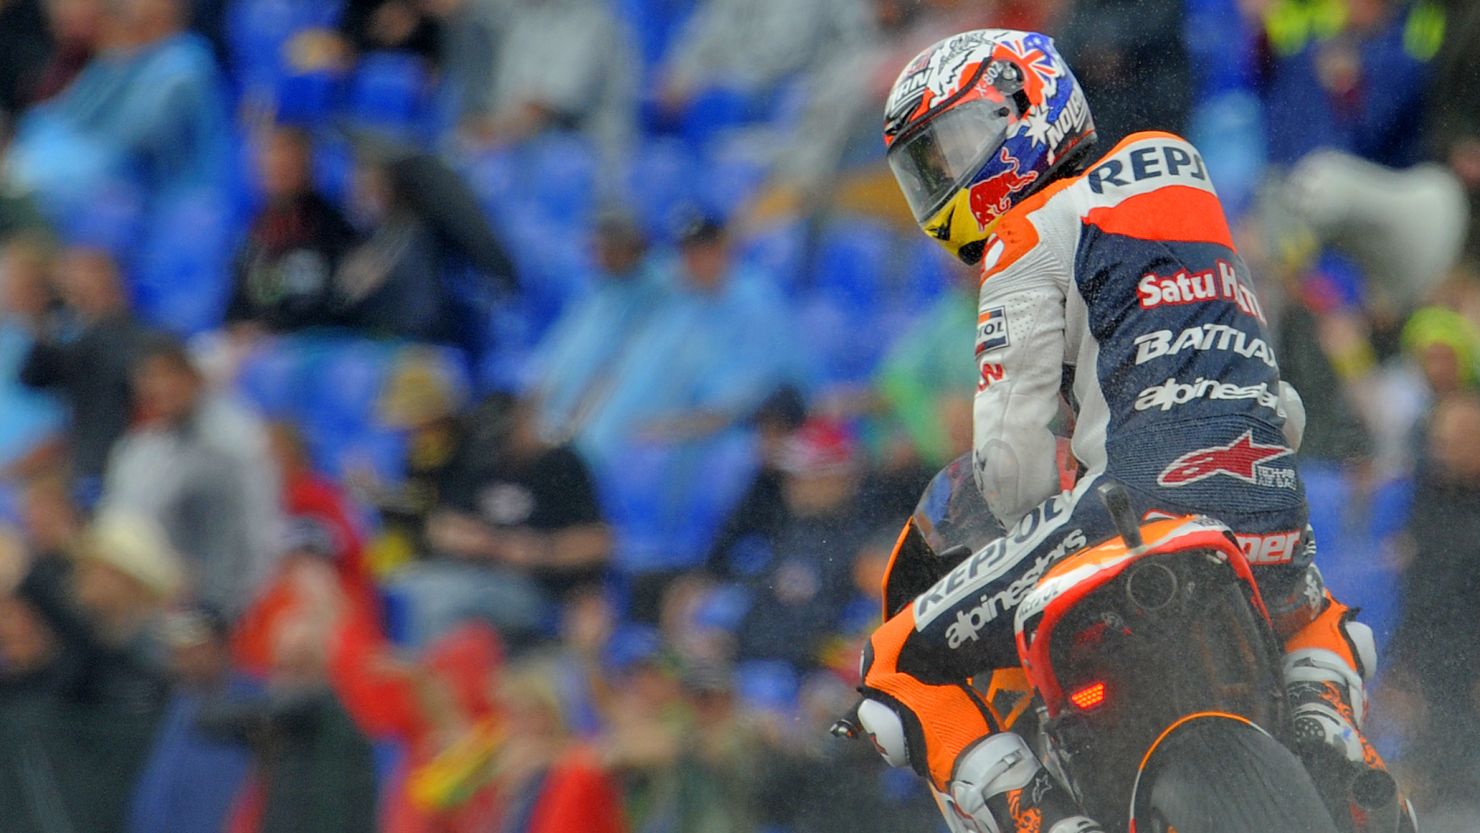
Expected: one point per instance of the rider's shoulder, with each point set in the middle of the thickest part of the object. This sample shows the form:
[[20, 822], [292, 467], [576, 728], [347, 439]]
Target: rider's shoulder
[[1141, 162]]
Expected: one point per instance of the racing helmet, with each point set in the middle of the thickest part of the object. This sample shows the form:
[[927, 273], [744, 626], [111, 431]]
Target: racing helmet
[[978, 122]]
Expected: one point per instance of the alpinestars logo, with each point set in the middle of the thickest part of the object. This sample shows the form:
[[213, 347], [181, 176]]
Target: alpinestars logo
[[1241, 459], [970, 622]]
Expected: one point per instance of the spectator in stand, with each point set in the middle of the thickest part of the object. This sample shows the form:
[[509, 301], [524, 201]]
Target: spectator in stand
[[28, 417], [1434, 651], [713, 350], [799, 595], [315, 770], [201, 467], [52, 522], [28, 667], [1454, 106], [18, 211], [108, 688], [750, 49], [645, 727], [523, 505], [726, 761], [590, 88], [830, 157], [284, 272], [307, 580], [309, 496], [420, 399], [743, 541], [1129, 57], [390, 284], [469, 35], [76, 28], [1354, 80], [441, 709], [925, 381], [1446, 347], [547, 781], [515, 520], [392, 25], [149, 109], [802, 759], [573, 365], [86, 356], [25, 46], [191, 780]]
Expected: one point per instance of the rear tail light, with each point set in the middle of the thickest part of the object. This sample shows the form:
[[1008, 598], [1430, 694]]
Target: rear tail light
[[1089, 697]]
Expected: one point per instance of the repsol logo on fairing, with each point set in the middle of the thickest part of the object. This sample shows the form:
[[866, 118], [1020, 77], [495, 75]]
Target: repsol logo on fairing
[[969, 623], [1206, 337], [1147, 162], [1171, 393], [991, 561]]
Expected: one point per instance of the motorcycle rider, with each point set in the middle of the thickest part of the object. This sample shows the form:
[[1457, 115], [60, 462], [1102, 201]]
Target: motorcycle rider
[[1115, 281]]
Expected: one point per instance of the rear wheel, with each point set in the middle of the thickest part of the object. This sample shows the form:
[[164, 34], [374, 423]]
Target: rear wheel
[[1221, 775]]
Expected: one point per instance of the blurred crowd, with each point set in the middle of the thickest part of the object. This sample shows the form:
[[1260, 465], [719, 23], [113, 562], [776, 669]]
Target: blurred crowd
[[495, 416]]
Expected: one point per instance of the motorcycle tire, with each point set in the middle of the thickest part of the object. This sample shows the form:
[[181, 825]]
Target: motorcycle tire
[[1221, 775]]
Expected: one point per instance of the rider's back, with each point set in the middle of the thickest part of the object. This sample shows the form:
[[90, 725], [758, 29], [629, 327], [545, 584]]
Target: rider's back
[[1174, 377]]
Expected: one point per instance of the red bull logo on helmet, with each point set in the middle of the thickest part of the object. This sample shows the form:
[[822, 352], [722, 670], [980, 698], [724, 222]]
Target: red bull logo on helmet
[[992, 197]]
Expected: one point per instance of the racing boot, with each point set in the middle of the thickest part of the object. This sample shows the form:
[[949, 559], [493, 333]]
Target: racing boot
[[1325, 668], [1001, 787]]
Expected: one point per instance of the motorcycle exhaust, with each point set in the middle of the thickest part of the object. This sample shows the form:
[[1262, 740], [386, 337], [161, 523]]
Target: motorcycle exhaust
[[1151, 587], [1374, 789]]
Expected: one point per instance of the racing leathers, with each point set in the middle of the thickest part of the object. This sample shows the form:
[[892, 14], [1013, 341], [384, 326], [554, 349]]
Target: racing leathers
[[1124, 280]]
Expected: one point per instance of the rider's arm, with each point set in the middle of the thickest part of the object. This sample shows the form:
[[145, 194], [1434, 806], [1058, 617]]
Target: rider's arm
[[1292, 408], [1020, 357]]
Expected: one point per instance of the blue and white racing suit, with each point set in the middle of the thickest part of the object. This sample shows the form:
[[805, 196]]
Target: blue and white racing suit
[[1126, 280]]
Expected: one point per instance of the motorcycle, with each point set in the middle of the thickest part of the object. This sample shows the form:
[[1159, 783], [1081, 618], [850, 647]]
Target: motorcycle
[[1150, 680]]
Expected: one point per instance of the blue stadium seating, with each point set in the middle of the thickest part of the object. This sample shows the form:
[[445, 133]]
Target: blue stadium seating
[[1351, 557], [931, 273], [113, 220], [257, 30], [715, 111], [560, 169], [666, 502], [307, 98], [852, 262], [333, 168], [180, 279], [390, 90], [662, 179], [272, 379], [653, 24], [779, 250], [347, 378], [732, 173], [767, 685], [631, 644]]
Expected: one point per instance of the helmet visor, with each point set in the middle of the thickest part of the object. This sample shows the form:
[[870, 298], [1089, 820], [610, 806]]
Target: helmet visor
[[933, 161]]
